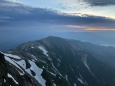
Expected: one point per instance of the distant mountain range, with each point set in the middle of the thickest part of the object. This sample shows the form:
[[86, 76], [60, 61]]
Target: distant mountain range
[[55, 61]]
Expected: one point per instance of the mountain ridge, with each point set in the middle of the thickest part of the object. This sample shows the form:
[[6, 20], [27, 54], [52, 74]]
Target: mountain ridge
[[55, 61]]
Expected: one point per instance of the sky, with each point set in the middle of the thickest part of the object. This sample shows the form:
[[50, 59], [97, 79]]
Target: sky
[[85, 20], [92, 7]]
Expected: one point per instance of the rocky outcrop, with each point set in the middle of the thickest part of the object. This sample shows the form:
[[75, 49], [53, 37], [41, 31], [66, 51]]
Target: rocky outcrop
[[3, 69], [11, 73]]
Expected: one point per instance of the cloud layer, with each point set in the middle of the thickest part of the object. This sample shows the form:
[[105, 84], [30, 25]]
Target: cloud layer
[[14, 14], [100, 2]]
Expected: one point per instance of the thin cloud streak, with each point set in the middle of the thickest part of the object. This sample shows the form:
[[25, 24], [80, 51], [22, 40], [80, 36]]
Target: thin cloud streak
[[100, 29]]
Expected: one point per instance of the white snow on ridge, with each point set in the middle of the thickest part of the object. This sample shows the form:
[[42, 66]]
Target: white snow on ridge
[[55, 69], [58, 60], [71, 68], [52, 73], [84, 59], [44, 50], [58, 65], [81, 81], [21, 63], [54, 84], [34, 57], [12, 62], [66, 77], [32, 47], [38, 72], [75, 84], [13, 56], [22, 66], [10, 76]]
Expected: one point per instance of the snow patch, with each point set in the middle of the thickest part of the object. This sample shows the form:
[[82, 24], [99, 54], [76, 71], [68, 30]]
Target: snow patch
[[80, 80], [4, 80], [32, 47], [58, 60], [38, 72], [51, 73], [12, 62], [66, 76], [54, 84], [55, 69], [44, 50], [13, 56], [34, 57], [21, 64], [71, 68], [10, 76], [74, 84], [58, 65], [36, 69], [84, 59]]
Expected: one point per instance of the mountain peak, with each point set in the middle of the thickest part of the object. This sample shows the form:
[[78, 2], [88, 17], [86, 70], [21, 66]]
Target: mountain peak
[[53, 38], [55, 61]]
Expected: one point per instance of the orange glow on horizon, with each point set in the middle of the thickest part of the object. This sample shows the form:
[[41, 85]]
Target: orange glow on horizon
[[100, 29]]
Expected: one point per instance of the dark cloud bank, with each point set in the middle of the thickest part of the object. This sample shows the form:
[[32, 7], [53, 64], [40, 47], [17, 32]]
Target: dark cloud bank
[[100, 2], [12, 14]]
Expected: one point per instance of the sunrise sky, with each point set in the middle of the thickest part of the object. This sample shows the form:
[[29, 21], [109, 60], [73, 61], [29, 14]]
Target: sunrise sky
[[85, 20], [92, 7], [101, 8]]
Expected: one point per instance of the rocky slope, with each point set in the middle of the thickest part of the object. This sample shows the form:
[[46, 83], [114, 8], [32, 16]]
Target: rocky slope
[[12, 72], [54, 61]]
